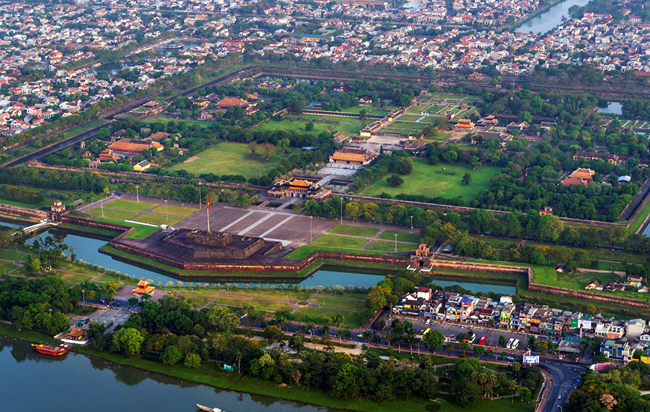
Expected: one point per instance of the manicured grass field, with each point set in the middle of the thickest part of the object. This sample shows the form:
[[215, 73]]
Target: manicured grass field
[[338, 303], [72, 277], [130, 205], [354, 230], [155, 219], [116, 279], [112, 213], [289, 125], [11, 255], [640, 218], [342, 242], [226, 158], [401, 236], [140, 232], [176, 210], [410, 118], [259, 304], [304, 251], [352, 319], [386, 246], [424, 180], [6, 267], [406, 126]]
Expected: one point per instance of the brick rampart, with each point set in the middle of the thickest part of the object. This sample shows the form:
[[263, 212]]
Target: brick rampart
[[22, 211]]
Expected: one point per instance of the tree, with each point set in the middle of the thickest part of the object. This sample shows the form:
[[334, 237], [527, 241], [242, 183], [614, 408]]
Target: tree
[[171, 355], [467, 178], [309, 126], [613, 234], [128, 341], [481, 221], [404, 165], [253, 147], [433, 340], [192, 360], [395, 181], [363, 114], [267, 150], [283, 144], [550, 227], [502, 340], [273, 334]]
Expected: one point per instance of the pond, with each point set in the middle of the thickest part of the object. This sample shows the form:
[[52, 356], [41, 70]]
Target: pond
[[612, 108], [551, 18], [33, 382]]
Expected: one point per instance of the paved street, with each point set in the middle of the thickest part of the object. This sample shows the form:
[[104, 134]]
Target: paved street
[[565, 376]]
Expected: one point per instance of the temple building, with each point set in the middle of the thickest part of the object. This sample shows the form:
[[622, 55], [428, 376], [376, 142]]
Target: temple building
[[132, 147], [143, 288], [299, 188], [352, 157]]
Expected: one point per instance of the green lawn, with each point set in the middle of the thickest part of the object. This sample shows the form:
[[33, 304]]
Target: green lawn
[[290, 125], [6, 267], [354, 230], [337, 303], [176, 210], [406, 126], [409, 118], [401, 236], [498, 243], [19, 204], [86, 126], [111, 278], [112, 213], [226, 158], [11, 255], [155, 219], [259, 304], [352, 319], [640, 218], [72, 277], [387, 246], [140, 232], [304, 251], [424, 180], [130, 205], [341, 242]]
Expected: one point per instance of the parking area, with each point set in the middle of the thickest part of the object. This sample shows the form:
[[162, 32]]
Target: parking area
[[111, 318]]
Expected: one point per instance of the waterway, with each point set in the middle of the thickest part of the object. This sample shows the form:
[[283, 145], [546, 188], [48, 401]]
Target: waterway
[[551, 18], [87, 249], [79, 383]]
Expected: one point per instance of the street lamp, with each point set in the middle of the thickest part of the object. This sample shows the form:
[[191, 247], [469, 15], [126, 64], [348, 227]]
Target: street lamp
[[137, 194], [411, 223], [341, 210], [311, 233], [395, 242], [199, 195], [166, 214], [83, 296], [101, 204]]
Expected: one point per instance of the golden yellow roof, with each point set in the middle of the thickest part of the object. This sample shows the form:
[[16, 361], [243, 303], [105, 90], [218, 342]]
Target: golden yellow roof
[[349, 156], [302, 183]]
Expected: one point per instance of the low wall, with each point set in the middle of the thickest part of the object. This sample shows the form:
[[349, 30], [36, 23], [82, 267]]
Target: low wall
[[92, 224], [22, 211]]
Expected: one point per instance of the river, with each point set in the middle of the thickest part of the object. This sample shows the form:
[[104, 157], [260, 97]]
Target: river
[[87, 249], [31, 382], [551, 18]]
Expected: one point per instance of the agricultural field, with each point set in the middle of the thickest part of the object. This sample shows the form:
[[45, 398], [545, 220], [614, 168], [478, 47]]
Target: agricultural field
[[437, 180], [226, 158]]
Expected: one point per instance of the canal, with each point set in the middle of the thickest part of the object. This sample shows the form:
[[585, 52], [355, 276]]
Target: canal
[[87, 249], [79, 383], [548, 20]]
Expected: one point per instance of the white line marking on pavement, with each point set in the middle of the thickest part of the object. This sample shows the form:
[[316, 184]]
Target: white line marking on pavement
[[256, 223], [277, 226], [238, 220]]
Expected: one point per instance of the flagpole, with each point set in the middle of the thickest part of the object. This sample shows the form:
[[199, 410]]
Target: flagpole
[[207, 210]]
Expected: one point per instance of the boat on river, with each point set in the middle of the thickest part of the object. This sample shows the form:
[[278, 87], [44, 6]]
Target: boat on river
[[50, 350], [207, 409]]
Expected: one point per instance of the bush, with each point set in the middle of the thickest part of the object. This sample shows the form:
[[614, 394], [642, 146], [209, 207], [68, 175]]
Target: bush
[[395, 181], [433, 407]]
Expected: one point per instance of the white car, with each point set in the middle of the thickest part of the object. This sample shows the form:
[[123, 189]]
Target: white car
[[427, 322]]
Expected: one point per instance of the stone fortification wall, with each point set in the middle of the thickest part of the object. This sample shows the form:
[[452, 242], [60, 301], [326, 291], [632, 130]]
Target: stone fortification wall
[[22, 211]]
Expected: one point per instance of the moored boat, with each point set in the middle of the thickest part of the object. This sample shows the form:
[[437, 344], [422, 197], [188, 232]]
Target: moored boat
[[207, 409], [50, 350]]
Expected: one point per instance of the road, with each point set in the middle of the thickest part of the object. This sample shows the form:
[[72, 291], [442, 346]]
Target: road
[[565, 377]]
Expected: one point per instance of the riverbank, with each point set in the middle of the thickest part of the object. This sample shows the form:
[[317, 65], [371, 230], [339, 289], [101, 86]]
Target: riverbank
[[207, 374]]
